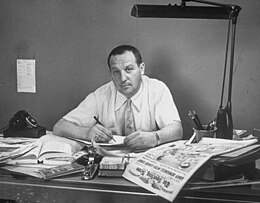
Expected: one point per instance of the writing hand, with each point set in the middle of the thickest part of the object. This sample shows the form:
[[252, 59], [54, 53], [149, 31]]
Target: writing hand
[[100, 134]]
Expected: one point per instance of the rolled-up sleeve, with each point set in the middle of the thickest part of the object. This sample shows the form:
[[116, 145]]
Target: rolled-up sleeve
[[165, 109], [83, 114]]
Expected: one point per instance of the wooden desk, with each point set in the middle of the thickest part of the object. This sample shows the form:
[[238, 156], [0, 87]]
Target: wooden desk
[[111, 190]]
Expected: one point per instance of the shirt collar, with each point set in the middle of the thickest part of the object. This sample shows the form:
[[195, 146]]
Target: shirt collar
[[120, 99]]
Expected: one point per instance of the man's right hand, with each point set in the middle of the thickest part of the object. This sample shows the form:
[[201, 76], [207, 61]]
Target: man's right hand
[[100, 134]]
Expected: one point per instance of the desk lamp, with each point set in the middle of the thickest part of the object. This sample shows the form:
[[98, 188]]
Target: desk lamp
[[224, 121]]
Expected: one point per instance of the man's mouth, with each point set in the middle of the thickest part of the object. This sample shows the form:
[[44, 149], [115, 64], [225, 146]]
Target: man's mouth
[[125, 85]]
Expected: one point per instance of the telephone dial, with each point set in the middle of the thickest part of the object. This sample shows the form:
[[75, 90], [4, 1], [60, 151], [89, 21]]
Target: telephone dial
[[22, 120], [24, 125]]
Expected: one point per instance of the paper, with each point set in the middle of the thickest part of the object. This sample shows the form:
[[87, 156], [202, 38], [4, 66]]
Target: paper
[[164, 170], [26, 75], [15, 142], [121, 152], [5, 156], [241, 151], [119, 141]]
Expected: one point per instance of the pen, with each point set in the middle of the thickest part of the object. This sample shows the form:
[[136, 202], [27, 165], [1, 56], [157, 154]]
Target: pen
[[196, 125], [102, 125], [198, 120], [98, 121]]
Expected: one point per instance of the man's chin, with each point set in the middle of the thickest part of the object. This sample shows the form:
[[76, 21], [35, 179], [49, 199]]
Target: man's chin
[[128, 93]]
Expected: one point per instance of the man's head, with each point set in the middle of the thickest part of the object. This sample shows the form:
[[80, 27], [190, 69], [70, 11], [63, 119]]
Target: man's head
[[126, 68]]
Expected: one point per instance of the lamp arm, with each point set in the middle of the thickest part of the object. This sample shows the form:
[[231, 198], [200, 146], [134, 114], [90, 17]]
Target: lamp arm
[[231, 61], [233, 9]]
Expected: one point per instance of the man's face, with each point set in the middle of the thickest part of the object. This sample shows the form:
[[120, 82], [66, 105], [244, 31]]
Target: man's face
[[125, 73]]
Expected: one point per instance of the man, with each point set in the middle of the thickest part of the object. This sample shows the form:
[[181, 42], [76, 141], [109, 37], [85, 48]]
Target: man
[[132, 105]]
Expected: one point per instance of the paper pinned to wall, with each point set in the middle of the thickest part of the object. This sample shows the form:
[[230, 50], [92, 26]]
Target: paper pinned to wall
[[26, 75]]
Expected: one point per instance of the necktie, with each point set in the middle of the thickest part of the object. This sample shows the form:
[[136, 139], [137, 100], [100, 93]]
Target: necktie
[[129, 118]]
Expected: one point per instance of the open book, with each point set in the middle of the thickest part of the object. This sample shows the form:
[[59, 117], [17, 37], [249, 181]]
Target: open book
[[50, 153]]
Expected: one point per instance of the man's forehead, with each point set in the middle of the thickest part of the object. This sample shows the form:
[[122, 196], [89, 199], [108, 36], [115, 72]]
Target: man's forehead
[[127, 57]]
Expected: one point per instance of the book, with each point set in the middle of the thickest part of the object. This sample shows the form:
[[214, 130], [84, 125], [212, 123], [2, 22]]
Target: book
[[63, 170], [50, 153], [113, 163], [110, 173], [44, 171], [113, 166]]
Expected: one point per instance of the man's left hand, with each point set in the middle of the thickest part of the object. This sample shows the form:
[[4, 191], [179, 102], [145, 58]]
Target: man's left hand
[[140, 140]]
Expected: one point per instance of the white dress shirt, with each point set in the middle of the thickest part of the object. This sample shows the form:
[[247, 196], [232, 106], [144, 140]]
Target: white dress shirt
[[153, 107]]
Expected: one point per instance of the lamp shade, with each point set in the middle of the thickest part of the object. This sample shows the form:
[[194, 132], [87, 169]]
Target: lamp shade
[[175, 11]]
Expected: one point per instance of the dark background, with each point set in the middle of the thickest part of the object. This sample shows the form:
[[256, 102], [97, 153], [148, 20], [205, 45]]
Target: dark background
[[71, 40]]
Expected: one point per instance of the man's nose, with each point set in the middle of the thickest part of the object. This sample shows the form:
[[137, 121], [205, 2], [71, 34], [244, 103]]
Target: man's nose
[[123, 75]]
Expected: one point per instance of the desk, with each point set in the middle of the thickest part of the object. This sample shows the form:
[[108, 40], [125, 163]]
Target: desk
[[111, 190]]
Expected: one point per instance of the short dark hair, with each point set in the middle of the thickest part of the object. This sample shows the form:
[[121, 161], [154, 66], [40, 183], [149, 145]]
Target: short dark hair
[[122, 49]]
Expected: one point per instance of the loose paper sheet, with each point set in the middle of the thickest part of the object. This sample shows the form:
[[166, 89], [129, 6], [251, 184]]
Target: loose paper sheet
[[26, 75]]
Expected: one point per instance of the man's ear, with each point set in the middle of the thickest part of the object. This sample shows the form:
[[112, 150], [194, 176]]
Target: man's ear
[[142, 67]]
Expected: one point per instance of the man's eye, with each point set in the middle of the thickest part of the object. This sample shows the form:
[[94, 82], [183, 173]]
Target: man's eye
[[128, 70], [115, 72]]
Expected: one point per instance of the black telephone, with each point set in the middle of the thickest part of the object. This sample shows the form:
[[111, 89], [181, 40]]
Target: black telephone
[[22, 120], [23, 125]]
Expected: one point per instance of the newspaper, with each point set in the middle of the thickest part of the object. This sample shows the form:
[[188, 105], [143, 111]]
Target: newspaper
[[164, 170]]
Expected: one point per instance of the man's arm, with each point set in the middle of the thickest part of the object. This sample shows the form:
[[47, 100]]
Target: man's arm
[[171, 132], [66, 128], [97, 132], [144, 140]]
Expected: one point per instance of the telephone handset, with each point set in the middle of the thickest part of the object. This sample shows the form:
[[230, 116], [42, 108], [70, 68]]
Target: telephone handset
[[23, 125], [22, 120]]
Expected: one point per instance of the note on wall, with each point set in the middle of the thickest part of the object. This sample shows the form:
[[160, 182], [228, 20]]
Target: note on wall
[[26, 75]]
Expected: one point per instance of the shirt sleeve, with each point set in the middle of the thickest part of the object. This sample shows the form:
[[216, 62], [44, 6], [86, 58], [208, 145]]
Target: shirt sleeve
[[83, 114], [165, 109]]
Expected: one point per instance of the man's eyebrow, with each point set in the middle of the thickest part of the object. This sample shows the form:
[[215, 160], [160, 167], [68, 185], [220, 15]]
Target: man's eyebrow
[[129, 65], [114, 69]]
